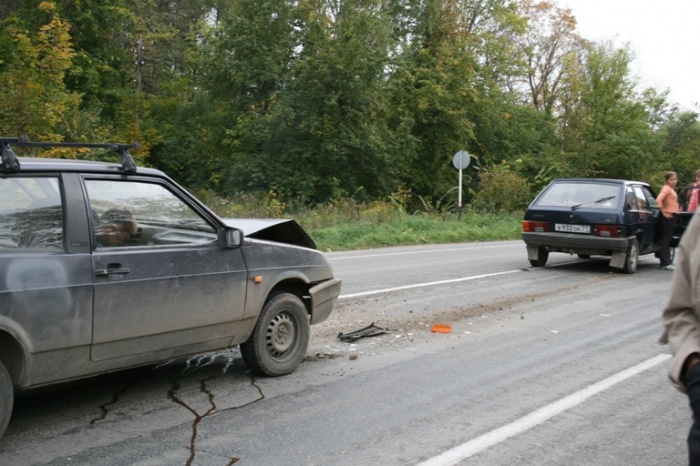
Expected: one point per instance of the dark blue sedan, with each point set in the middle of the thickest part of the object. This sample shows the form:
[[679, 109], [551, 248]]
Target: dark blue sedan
[[594, 217]]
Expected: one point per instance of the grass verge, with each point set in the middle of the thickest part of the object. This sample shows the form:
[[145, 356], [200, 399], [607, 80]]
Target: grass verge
[[413, 230], [346, 224]]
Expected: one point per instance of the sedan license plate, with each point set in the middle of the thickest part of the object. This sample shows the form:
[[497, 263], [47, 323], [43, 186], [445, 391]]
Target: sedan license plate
[[568, 228]]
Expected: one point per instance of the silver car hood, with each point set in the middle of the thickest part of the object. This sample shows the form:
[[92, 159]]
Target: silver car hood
[[280, 230]]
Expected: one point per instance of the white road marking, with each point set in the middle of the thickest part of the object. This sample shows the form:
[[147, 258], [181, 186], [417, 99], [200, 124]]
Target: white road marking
[[420, 285], [474, 446]]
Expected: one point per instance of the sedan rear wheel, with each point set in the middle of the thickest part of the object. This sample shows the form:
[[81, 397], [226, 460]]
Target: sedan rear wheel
[[632, 258], [542, 256], [280, 338]]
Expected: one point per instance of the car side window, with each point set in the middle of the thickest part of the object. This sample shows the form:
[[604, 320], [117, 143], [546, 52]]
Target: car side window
[[641, 198], [631, 198], [32, 213], [136, 213], [650, 198]]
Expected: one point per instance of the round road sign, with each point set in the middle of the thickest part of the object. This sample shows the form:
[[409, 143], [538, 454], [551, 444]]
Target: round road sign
[[461, 160]]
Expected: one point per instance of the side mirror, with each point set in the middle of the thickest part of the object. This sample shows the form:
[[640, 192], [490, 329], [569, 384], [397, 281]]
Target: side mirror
[[233, 237]]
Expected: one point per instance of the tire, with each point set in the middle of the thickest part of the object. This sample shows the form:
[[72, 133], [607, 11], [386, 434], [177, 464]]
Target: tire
[[6, 398], [542, 256], [632, 258], [280, 338]]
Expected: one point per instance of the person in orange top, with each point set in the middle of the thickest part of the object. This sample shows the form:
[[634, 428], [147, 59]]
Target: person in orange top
[[668, 203]]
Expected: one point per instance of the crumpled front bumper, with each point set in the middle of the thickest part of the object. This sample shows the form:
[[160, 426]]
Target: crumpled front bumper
[[323, 298]]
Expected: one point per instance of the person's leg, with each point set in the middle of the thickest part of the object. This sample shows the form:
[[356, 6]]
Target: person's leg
[[694, 445], [668, 225]]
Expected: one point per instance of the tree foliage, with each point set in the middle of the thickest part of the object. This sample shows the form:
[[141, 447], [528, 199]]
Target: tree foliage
[[32, 80], [327, 99]]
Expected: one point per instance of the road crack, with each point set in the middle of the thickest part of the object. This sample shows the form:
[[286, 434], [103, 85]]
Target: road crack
[[173, 395]]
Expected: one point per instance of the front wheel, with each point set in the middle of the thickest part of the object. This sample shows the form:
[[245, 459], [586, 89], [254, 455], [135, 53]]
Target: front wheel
[[6, 398], [632, 258], [280, 337]]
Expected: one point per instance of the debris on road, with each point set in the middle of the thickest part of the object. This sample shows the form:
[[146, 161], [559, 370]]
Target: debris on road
[[369, 331], [441, 328]]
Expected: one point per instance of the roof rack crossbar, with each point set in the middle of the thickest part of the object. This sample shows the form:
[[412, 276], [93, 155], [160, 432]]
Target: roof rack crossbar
[[9, 159]]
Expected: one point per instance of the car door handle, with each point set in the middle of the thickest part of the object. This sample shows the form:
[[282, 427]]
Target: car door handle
[[112, 269]]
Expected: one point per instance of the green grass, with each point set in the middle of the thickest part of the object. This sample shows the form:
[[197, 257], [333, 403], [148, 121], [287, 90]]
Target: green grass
[[346, 224], [412, 230]]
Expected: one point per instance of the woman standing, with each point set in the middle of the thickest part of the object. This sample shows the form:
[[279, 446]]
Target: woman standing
[[668, 203]]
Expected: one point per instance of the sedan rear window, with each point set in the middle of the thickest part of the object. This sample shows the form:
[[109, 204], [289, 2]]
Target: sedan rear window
[[32, 215], [583, 195]]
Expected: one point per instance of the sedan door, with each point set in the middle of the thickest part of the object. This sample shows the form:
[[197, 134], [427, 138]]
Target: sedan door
[[645, 215], [164, 285]]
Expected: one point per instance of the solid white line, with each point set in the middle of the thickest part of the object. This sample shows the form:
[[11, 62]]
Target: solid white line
[[472, 447], [420, 285]]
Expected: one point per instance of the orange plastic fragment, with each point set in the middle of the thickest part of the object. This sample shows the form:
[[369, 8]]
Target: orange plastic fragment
[[441, 328]]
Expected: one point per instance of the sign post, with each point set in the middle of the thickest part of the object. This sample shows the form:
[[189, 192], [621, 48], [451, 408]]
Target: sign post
[[461, 161]]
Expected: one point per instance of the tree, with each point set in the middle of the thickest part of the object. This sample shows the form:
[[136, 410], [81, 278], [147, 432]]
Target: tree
[[432, 90], [236, 60], [493, 28], [35, 96], [681, 133], [327, 135], [606, 123], [550, 37]]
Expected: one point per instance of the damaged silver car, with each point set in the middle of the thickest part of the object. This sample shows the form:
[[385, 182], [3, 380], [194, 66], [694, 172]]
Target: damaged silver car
[[109, 266]]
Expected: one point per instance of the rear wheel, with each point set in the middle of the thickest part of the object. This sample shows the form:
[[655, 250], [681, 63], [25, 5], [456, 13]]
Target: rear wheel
[[632, 258], [542, 256], [6, 398], [280, 338]]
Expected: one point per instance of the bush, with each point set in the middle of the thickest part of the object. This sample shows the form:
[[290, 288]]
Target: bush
[[501, 190]]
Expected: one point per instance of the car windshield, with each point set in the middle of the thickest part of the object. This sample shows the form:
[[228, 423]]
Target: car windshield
[[577, 195]]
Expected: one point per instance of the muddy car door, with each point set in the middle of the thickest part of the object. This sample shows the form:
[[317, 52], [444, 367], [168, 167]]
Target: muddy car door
[[164, 284], [45, 291]]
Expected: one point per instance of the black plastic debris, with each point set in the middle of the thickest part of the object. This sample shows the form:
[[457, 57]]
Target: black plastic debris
[[369, 331]]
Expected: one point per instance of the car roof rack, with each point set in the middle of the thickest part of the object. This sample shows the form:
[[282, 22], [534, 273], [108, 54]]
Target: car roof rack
[[10, 163]]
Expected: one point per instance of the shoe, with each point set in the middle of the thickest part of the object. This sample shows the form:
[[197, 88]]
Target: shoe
[[668, 267]]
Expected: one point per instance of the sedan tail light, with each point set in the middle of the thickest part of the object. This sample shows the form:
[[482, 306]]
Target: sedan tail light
[[533, 226], [609, 231]]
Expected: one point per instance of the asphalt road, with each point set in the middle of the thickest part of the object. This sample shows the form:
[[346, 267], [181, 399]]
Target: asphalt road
[[549, 366]]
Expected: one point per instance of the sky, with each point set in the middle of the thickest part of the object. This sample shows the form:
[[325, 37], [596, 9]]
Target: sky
[[664, 37]]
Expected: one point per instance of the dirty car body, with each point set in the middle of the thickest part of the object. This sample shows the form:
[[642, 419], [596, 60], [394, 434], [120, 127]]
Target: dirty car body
[[590, 217], [106, 266]]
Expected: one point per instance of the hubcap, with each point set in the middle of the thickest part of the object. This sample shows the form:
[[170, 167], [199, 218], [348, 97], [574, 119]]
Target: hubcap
[[280, 334]]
